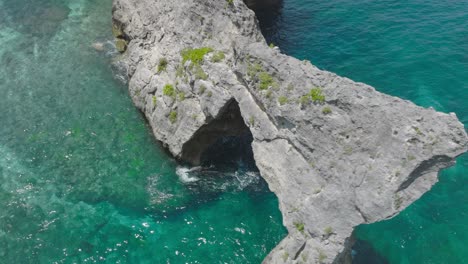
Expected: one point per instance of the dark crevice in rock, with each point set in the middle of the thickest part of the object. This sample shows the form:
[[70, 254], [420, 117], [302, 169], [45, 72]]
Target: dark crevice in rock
[[228, 123], [434, 164], [300, 250], [240, 78], [361, 213]]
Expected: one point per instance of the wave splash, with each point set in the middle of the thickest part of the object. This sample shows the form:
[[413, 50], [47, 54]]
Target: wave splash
[[184, 174], [218, 179]]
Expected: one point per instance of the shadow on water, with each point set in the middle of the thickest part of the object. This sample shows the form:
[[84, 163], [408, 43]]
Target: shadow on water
[[364, 253], [41, 20], [270, 17]]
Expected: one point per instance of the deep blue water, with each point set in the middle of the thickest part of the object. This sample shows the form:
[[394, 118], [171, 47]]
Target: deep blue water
[[417, 50]]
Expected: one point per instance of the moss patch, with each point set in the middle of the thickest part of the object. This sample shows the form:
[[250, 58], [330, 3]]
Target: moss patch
[[173, 116], [169, 90], [195, 55], [121, 45]]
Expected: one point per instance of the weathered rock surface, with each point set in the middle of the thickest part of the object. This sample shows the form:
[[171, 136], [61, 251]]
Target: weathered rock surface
[[355, 156]]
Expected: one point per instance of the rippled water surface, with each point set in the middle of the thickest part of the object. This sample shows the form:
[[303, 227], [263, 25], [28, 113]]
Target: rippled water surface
[[418, 50], [81, 178]]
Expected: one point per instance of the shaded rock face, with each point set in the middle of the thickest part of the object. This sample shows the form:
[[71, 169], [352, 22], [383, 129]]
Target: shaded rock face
[[229, 122], [263, 4], [336, 153]]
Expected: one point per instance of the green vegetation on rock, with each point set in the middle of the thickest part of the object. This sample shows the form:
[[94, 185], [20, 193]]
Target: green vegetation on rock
[[169, 90], [218, 56], [328, 230], [282, 100], [200, 74], [305, 99], [162, 65], [266, 80], [180, 71], [202, 89], [195, 55], [173, 116], [117, 31], [252, 121], [316, 95], [321, 257], [121, 45], [253, 69], [299, 226], [269, 95], [181, 96], [326, 110]]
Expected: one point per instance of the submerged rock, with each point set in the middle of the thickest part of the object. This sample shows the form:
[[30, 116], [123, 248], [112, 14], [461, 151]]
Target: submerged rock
[[121, 45], [98, 46], [121, 40], [336, 153]]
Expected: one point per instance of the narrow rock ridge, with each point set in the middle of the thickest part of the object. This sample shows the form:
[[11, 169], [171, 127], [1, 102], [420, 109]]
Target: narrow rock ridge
[[336, 153]]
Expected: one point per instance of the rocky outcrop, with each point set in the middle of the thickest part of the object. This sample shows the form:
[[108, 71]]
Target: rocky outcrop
[[336, 153]]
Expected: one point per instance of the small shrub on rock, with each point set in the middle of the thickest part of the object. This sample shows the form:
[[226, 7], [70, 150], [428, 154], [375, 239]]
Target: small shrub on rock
[[218, 56], [173, 116], [282, 100], [169, 90], [162, 65], [195, 55], [316, 95], [326, 110]]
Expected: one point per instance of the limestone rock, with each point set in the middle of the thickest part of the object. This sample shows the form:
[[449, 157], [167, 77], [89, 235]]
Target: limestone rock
[[336, 153]]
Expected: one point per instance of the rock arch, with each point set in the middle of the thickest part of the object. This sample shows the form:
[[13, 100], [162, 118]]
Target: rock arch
[[229, 122]]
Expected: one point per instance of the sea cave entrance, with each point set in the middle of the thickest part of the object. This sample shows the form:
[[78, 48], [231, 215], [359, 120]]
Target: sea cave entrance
[[224, 140]]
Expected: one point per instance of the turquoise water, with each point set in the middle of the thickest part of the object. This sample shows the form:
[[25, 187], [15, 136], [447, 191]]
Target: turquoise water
[[417, 50], [81, 178]]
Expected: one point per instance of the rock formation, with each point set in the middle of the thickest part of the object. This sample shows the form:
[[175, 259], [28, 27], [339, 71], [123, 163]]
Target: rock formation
[[336, 153]]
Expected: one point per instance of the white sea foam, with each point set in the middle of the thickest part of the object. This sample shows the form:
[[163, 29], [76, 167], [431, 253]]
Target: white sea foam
[[184, 174]]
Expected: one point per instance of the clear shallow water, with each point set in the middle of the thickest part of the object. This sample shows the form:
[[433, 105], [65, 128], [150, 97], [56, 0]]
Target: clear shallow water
[[81, 177], [417, 50]]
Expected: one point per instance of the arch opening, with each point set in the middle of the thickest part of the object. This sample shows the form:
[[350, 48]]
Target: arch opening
[[225, 137]]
